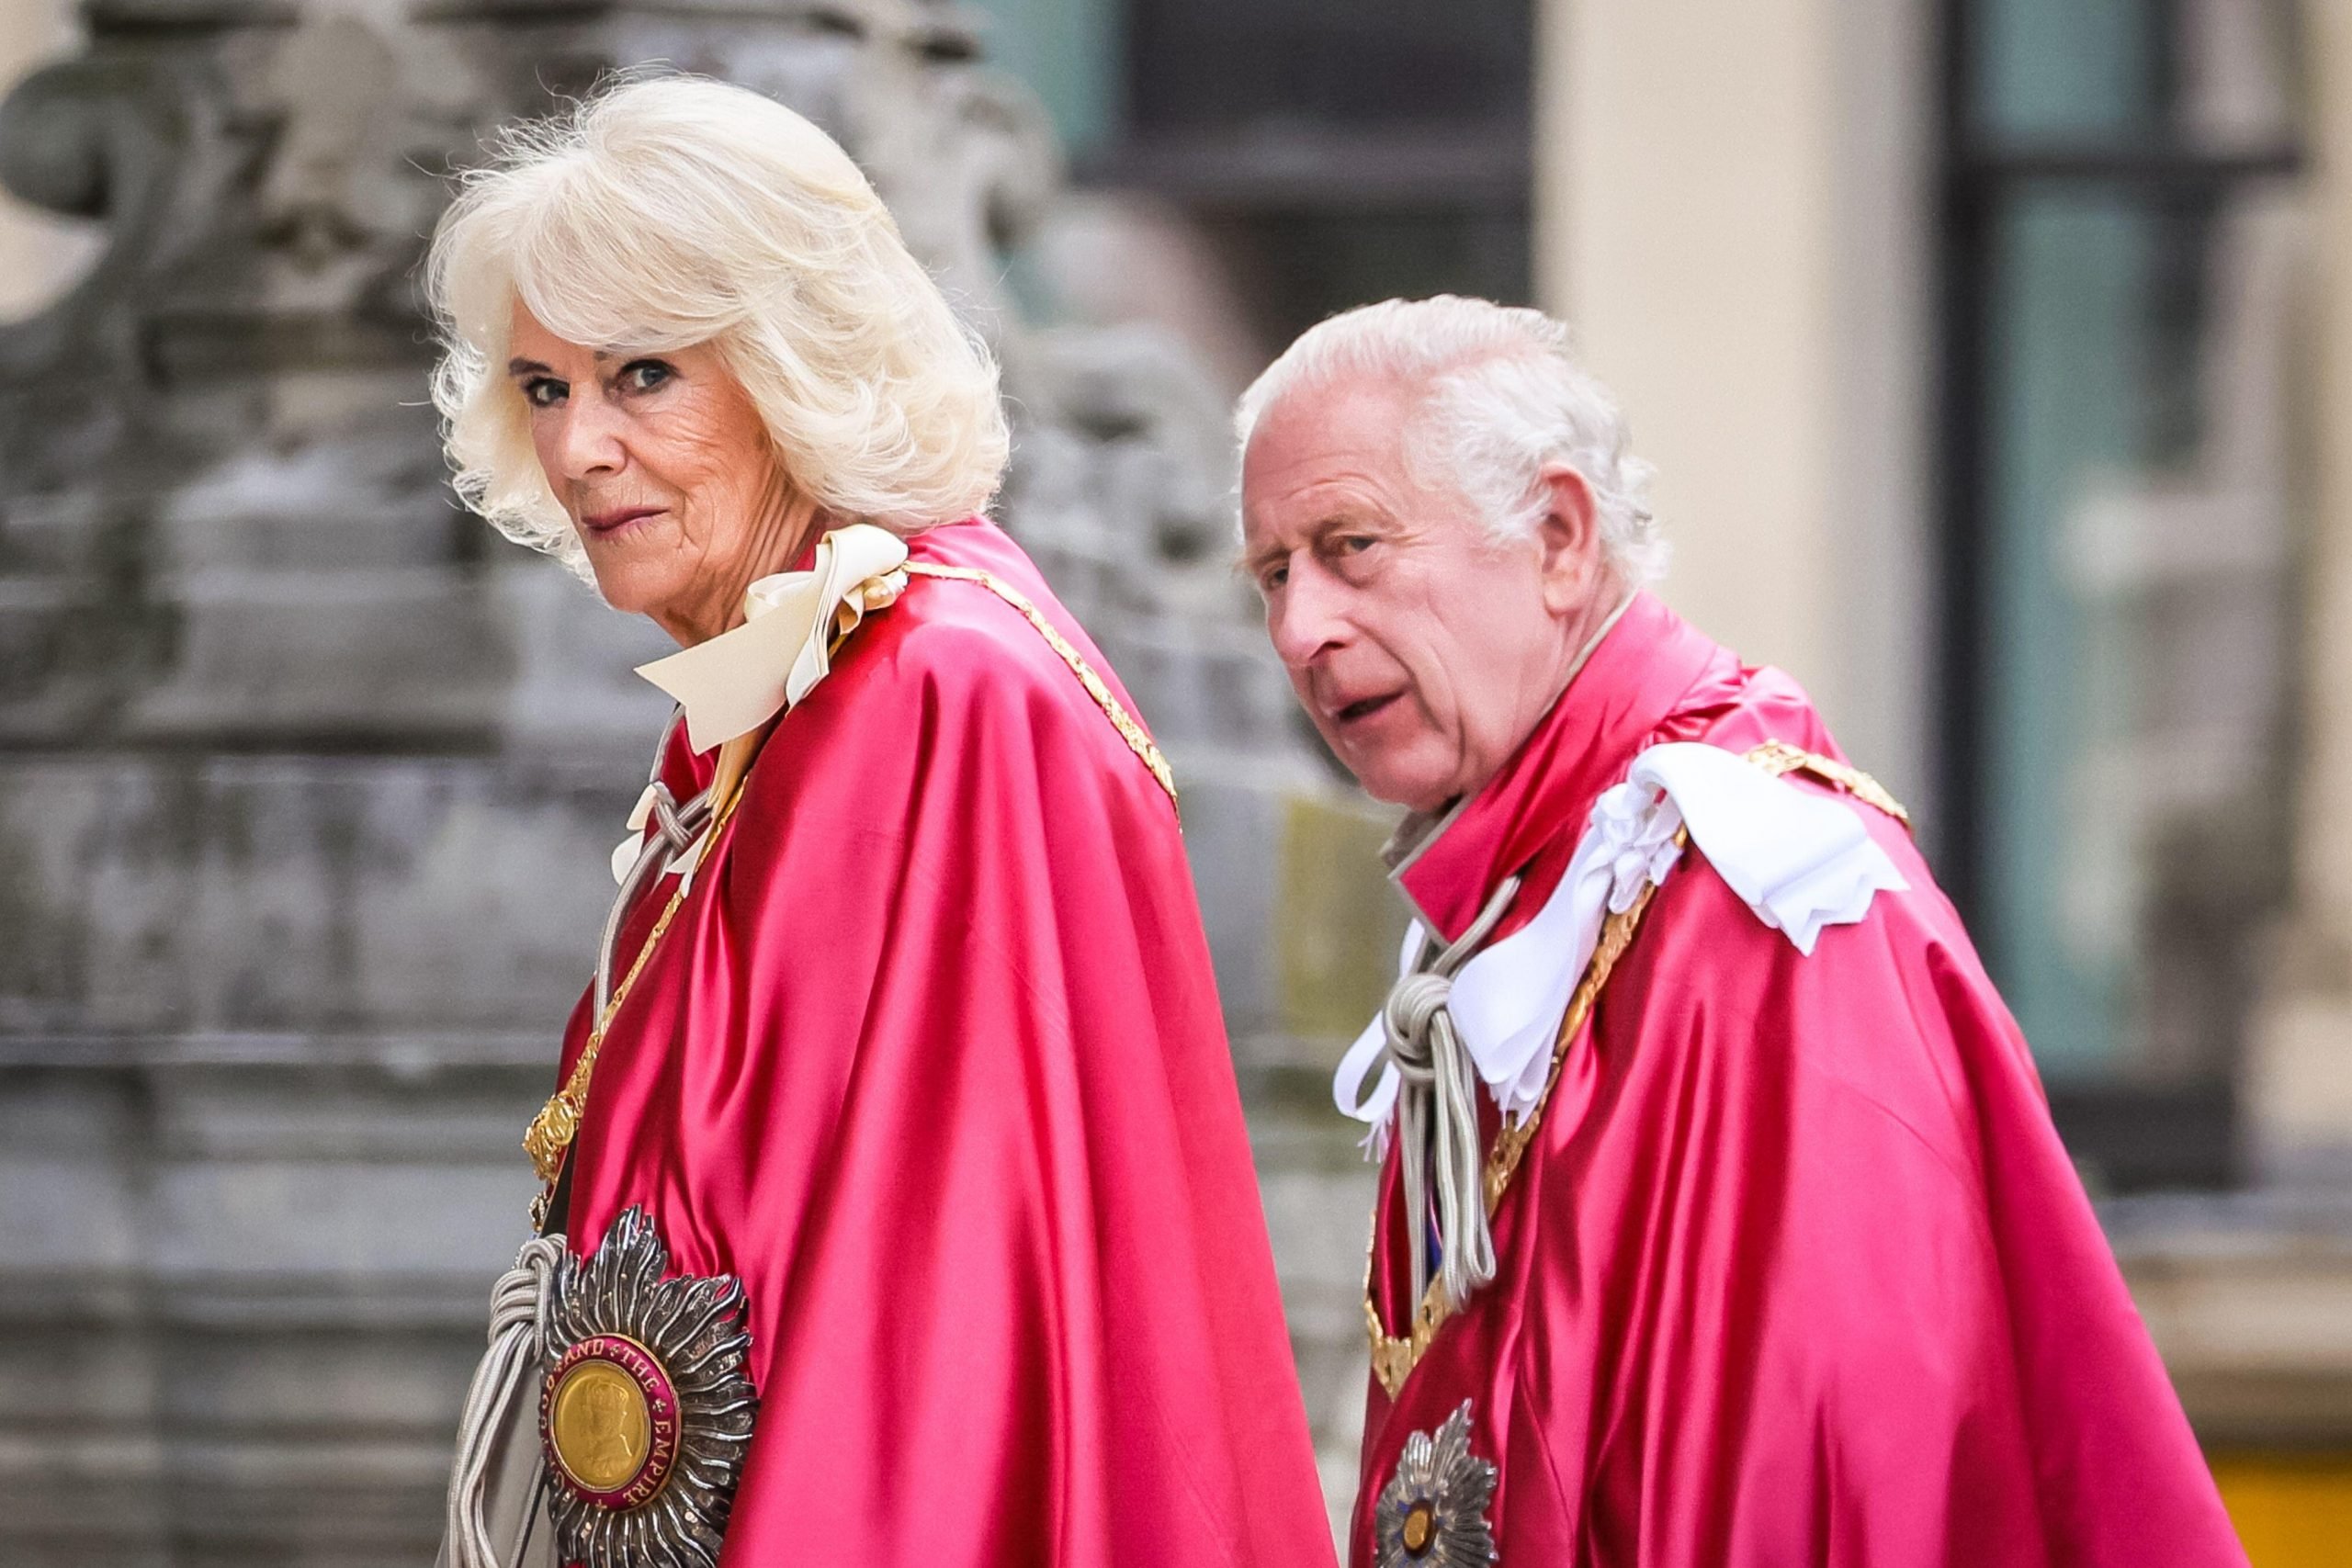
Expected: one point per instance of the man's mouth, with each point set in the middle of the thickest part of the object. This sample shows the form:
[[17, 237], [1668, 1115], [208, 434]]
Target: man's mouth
[[1362, 707], [604, 525]]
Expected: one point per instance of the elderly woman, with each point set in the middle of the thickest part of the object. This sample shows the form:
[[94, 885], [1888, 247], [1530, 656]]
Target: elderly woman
[[898, 1205]]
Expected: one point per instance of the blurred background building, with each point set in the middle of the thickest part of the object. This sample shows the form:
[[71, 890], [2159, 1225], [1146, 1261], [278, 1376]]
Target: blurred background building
[[1997, 355]]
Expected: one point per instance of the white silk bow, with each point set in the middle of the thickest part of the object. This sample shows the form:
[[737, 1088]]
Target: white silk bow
[[739, 680]]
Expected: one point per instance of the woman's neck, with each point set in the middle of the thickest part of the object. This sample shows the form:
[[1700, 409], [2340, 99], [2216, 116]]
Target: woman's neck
[[771, 544]]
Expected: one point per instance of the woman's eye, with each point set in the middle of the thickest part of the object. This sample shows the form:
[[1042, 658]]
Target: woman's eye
[[644, 375], [543, 392]]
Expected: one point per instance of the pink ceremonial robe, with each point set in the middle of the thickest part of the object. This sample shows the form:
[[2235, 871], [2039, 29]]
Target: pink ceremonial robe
[[930, 1056], [1796, 1271]]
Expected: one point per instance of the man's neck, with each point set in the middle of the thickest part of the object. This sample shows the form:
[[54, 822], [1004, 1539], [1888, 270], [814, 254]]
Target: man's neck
[[1617, 600]]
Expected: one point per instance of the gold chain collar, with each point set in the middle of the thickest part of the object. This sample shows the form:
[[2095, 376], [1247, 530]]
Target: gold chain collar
[[558, 1122], [551, 1132]]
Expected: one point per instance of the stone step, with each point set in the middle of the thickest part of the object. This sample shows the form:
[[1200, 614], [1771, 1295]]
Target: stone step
[[210, 892]]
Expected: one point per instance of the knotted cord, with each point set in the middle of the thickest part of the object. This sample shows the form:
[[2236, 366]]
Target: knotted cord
[[1437, 1112], [675, 828]]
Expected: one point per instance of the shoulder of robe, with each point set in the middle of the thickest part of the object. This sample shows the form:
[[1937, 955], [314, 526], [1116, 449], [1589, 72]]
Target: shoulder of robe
[[1895, 1009], [958, 637], [986, 674], [904, 670]]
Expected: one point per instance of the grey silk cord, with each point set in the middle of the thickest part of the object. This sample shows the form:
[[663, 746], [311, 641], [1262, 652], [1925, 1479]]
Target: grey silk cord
[[1437, 1114], [521, 1300], [677, 827], [519, 1304]]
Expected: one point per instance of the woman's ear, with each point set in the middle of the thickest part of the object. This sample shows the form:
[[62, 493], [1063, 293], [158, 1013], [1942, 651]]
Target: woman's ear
[[1567, 538]]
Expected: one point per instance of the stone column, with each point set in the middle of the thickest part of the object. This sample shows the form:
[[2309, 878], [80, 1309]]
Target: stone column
[[37, 252], [1732, 209], [2299, 1073]]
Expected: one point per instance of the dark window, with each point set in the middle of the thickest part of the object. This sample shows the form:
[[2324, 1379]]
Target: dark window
[[2120, 242], [1342, 150]]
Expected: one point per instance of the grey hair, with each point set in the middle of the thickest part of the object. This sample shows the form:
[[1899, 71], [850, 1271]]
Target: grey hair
[[666, 211], [1505, 400]]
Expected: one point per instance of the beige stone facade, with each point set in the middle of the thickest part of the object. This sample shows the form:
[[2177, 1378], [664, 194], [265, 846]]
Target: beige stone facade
[[1730, 208], [37, 252]]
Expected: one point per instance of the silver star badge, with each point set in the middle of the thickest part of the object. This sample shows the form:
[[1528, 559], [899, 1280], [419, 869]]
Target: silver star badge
[[1432, 1513]]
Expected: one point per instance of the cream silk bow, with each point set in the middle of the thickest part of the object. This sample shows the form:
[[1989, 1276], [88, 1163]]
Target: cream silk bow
[[793, 621], [739, 680]]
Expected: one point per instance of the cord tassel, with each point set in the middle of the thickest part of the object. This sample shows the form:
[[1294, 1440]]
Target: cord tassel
[[510, 1369]]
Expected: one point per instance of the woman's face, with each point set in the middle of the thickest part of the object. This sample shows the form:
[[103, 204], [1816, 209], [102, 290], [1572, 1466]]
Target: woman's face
[[666, 471]]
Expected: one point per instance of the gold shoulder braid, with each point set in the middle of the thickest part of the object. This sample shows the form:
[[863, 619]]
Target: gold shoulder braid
[[1778, 757], [1392, 1358], [1123, 722]]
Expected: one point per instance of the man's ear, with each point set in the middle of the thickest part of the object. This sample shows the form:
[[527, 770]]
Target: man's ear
[[1567, 537]]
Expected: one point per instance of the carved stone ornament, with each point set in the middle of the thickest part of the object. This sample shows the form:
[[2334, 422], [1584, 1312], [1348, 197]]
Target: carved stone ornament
[[1432, 1513], [647, 1410]]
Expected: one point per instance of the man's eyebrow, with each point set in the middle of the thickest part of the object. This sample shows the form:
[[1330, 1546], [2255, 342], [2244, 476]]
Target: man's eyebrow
[[1265, 554], [1257, 561]]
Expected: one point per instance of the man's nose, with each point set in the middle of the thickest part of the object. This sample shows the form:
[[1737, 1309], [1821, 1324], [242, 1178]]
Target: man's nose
[[590, 442], [1306, 620]]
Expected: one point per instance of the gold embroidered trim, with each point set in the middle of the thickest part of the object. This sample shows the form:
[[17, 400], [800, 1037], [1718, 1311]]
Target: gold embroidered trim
[[1394, 1358], [558, 1122], [1778, 757], [1137, 740]]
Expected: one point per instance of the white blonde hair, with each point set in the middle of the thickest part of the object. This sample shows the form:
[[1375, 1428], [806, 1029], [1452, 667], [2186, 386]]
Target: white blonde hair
[[669, 211], [1505, 399]]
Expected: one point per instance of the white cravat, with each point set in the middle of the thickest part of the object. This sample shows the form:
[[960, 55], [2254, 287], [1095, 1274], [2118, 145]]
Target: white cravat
[[1799, 861], [739, 680]]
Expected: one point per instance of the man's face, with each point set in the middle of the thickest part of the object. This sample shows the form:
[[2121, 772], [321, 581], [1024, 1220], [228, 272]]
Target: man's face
[[1424, 650]]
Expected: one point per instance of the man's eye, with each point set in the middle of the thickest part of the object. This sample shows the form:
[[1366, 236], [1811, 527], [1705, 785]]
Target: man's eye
[[644, 375], [544, 392], [1273, 577], [1352, 544]]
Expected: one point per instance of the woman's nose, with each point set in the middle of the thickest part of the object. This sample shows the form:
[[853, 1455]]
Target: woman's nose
[[589, 443]]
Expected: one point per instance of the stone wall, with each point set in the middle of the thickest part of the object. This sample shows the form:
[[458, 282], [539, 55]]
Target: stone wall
[[307, 780]]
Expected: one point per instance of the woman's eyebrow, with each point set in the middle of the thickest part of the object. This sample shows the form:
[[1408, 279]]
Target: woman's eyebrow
[[526, 367]]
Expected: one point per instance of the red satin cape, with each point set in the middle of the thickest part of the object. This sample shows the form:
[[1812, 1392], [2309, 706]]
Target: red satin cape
[[1796, 1270], [931, 1058]]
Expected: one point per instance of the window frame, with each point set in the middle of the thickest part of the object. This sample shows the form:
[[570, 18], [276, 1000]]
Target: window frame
[[2126, 1136]]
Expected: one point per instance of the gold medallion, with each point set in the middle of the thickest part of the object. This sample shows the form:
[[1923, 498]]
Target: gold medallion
[[1432, 1513], [599, 1425]]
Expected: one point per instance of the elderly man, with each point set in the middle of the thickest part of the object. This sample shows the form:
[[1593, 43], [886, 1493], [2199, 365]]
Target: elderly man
[[1721, 1221]]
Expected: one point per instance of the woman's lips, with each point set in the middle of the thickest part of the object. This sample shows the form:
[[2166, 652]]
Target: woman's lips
[[604, 525]]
